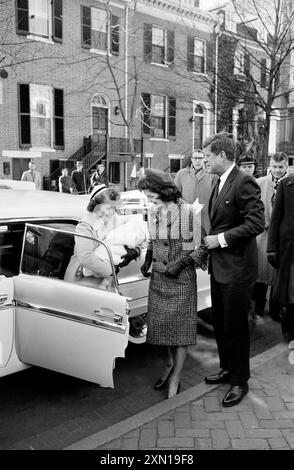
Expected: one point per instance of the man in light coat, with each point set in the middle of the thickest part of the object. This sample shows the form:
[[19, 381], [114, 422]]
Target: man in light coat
[[196, 183], [32, 175]]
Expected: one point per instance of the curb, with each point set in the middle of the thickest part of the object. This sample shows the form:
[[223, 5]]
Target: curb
[[144, 417]]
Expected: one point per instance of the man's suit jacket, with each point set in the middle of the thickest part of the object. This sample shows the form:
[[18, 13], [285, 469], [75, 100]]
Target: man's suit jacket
[[238, 212]]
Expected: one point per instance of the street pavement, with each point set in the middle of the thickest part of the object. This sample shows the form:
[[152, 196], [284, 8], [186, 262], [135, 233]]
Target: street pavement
[[195, 419], [43, 410]]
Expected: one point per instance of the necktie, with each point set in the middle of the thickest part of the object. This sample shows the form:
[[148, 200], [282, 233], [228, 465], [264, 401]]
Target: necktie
[[214, 193], [275, 187], [216, 190]]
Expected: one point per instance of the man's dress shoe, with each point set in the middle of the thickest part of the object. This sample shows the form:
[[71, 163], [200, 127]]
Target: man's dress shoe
[[235, 395], [221, 378]]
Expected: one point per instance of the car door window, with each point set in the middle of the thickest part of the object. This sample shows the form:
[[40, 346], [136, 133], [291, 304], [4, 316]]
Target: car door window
[[11, 236], [49, 252], [11, 241]]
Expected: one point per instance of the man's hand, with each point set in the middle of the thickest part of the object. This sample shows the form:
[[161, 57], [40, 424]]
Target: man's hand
[[211, 242], [273, 259]]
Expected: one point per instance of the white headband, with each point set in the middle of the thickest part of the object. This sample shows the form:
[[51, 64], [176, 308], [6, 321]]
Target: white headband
[[99, 188]]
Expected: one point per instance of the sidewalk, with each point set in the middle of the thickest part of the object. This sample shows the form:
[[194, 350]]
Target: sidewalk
[[195, 419]]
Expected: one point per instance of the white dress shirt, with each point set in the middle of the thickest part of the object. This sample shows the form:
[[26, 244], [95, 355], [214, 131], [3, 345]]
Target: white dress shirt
[[223, 177]]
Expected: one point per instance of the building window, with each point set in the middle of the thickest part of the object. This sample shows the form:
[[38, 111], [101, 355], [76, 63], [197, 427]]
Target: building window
[[159, 115], [158, 45], [40, 18], [175, 165], [100, 30], [41, 116], [196, 54]]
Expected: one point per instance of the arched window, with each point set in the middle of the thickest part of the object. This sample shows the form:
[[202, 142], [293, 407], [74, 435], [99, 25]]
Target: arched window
[[100, 100]]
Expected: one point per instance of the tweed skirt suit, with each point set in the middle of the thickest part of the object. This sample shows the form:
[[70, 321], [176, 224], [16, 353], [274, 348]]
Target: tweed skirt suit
[[172, 303]]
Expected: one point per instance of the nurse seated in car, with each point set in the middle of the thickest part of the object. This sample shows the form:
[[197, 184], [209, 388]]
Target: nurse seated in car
[[90, 261]]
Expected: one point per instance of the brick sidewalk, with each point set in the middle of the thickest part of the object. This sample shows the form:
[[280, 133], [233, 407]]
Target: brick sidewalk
[[195, 419]]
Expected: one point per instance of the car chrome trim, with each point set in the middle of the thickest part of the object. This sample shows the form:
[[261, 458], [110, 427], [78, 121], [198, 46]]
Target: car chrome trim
[[5, 306], [107, 324]]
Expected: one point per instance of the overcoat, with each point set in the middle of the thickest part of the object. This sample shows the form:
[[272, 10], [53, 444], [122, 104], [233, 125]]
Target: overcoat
[[281, 238], [172, 302], [266, 273], [196, 185]]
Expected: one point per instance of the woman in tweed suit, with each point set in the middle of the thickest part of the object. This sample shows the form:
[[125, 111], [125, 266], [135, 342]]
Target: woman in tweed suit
[[175, 247]]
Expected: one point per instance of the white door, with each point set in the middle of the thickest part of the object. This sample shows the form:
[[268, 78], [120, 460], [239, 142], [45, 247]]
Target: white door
[[6, 319], [71, 328]]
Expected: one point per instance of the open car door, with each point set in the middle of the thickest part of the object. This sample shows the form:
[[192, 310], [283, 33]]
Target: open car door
[[6, 320], [77, 329]]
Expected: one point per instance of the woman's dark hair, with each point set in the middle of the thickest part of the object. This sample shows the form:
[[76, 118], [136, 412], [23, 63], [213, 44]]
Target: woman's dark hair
[[110, 194], [166, 194]]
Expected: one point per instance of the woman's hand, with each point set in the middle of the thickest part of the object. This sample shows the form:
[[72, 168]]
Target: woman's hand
[[131, 253], [174, 271], [148, 261]]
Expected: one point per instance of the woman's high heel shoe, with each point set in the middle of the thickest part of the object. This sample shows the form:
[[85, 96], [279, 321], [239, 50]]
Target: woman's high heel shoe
[[174, 389], [162, 381]]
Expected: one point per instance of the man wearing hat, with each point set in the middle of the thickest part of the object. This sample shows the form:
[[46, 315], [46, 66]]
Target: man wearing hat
[[80, 179], [247, 163]]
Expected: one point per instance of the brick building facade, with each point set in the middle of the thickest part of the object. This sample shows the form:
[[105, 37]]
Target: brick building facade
[[72, 67]]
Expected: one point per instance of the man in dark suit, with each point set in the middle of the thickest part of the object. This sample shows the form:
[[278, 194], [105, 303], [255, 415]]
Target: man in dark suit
[[237, 217], [80, 179]]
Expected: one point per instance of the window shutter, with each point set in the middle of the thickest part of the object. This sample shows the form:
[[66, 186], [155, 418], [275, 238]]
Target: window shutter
[[114, 34], [170, 47], [24, 115], [22, 16], [86, 26], [190, 53], [209, 46], [172, 117], [263, 72], [146, 98], [247, 64], [58, 118], [57, 20], [147, 42]]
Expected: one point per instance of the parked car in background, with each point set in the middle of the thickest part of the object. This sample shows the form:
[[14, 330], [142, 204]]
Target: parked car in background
[[15, 184], [73, 328]]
